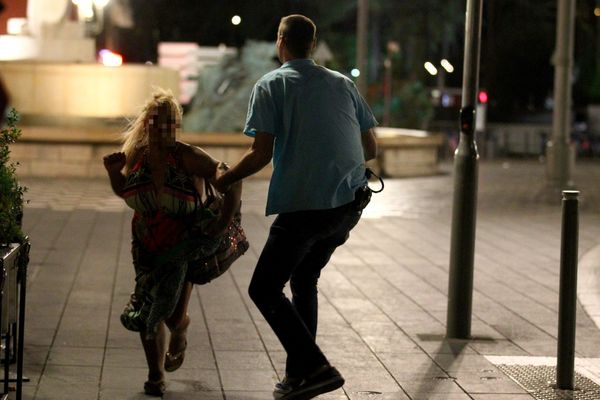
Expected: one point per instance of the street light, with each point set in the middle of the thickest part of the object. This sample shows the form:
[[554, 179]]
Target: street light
[[447, 66], [236, 20], [430, 68]]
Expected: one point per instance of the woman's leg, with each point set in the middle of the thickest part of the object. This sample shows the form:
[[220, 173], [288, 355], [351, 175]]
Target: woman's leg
[[155, 353], [178, 323], [180, 320]]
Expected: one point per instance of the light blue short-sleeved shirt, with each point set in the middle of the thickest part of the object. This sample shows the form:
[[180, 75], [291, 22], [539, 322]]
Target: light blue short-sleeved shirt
[[316, 116]]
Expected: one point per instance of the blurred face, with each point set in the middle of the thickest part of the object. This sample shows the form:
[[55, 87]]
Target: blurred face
[[162, 125]]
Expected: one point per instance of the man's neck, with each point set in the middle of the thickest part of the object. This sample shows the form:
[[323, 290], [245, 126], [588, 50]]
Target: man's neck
[[286, 59]]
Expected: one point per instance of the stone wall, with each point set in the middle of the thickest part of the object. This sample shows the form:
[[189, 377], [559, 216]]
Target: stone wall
[[69, 90], [53, 152], [407, 152]]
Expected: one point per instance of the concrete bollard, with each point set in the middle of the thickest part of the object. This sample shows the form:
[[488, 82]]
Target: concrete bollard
[[567, 309]]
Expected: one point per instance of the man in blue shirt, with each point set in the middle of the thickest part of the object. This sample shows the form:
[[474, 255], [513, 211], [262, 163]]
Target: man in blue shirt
[[318, 130]]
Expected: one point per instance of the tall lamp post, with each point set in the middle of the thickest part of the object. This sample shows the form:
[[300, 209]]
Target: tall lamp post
[[560, 154], [362, 23], [462, 246]]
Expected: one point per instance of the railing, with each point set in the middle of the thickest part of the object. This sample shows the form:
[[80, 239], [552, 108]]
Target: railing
[[13, 291]]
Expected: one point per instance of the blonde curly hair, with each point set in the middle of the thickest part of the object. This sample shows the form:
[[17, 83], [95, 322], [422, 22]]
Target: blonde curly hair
[[136, 135]]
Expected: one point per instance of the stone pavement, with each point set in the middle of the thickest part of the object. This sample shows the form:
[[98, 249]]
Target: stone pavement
[[382, 298]]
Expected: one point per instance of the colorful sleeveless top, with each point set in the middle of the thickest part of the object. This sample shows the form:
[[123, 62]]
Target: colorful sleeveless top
[[161, 217]]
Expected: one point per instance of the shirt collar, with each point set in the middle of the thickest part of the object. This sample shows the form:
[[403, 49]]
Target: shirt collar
[[298, 62]]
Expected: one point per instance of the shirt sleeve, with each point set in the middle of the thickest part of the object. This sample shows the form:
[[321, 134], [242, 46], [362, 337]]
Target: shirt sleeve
[[262, 113]]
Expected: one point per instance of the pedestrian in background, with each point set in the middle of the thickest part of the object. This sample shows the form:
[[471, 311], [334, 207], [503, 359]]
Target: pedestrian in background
[[318, 130]]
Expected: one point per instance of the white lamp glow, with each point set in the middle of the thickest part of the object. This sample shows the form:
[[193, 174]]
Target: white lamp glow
[[15, 26], [447, 66], [101, 3], [430, 68], [110, 59]]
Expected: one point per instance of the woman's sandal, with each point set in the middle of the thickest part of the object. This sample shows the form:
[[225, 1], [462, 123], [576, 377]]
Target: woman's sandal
[[174, 360], [155, 388]]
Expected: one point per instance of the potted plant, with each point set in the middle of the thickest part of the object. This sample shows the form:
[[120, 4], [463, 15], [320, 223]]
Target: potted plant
[[11, 193]]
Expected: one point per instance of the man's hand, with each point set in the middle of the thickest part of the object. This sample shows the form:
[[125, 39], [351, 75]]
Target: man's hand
[[115, 162], [217, 227], [218, 182]]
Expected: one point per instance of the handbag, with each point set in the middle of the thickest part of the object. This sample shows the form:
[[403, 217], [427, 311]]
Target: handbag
[[233, 244]]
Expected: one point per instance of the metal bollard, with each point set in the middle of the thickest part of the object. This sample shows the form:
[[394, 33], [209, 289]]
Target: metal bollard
[[567, 308]]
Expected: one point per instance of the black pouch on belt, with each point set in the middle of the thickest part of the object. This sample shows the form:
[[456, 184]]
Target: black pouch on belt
[[362, 197]]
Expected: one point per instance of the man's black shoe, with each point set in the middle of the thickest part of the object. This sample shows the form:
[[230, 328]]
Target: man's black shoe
[[324, 379], [288, 384]]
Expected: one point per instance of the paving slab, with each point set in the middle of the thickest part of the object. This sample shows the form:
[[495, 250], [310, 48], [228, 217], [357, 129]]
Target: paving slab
[[382, 299]]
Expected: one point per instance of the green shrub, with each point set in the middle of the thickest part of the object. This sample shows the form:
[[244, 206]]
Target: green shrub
[[410, 106], [11, 193]]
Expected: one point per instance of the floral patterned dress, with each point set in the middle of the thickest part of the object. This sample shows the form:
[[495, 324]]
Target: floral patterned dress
[[164, 237]]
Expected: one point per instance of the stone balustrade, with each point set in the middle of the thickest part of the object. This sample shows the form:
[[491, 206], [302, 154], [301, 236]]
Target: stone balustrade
[[78, 152]]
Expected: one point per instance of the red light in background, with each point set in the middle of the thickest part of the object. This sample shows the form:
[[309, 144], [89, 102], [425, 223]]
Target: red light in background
[[110, 59], [483, 97]]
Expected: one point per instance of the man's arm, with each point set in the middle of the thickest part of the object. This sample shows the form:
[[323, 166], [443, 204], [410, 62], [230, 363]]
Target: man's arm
[[200, 163], [255, 159], [369, 144]]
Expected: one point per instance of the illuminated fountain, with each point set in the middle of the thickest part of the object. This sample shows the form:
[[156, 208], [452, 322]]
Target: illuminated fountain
[[55, 74]]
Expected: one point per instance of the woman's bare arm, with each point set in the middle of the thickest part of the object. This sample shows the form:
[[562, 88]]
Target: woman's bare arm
[[200, 163], [114, 164]]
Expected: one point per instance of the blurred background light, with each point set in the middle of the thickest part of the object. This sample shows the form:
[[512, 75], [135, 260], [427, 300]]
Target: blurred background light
[[355, 72], [430, 68], [110, 59], [236, 20], [447, 66], [17, 47], [16, 26], [446, 100], [483, 97]]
